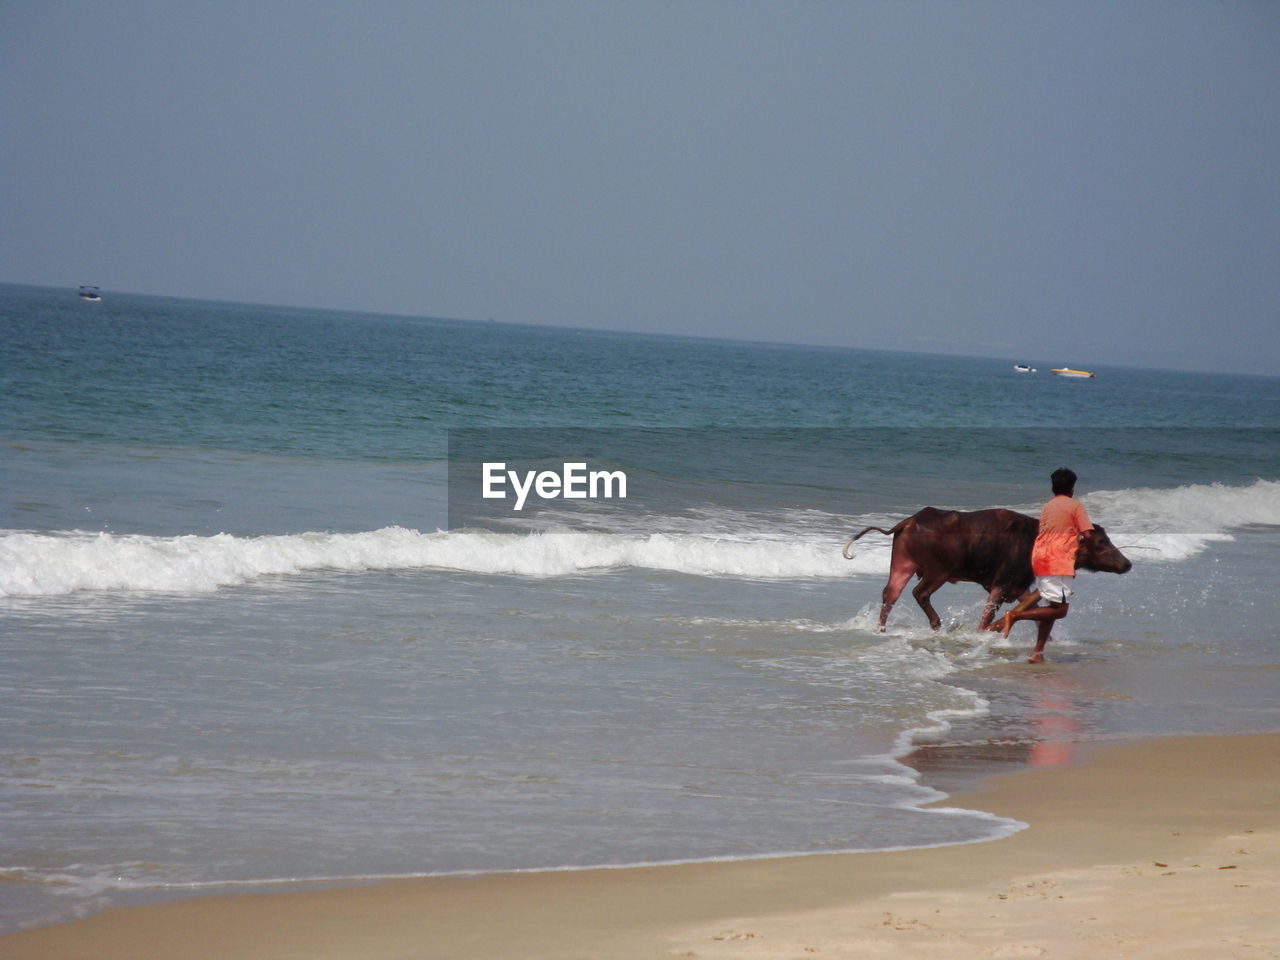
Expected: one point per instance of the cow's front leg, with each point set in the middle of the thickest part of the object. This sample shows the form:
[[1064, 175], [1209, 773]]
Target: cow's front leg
[[990, 607]]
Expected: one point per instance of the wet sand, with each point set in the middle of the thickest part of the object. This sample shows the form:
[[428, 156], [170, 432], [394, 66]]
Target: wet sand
[[1155, 848]]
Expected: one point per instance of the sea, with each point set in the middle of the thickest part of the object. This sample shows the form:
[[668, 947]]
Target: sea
[[261, 628]]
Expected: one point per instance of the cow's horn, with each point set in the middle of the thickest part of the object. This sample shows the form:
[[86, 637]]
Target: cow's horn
[[844, 551]]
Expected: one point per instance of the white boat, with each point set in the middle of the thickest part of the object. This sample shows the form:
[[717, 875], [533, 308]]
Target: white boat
[[89, 293], [1068, 372], [1023, 368]]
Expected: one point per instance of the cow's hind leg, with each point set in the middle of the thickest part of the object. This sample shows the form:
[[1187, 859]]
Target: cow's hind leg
[[923, 591], [901, 570]]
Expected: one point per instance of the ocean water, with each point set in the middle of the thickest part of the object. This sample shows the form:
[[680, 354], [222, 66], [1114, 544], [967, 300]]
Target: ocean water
[[258, 627]]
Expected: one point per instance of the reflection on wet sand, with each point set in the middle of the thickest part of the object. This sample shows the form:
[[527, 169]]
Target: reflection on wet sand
[[1045, 732]]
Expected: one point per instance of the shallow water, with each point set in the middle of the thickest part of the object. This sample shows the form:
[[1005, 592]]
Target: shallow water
[[251, 631]]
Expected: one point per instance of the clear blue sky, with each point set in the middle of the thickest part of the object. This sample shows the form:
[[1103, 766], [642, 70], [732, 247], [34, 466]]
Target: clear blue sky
[[1078, 182]]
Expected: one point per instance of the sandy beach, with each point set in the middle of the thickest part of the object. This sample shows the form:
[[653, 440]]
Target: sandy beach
[[1165, 848]]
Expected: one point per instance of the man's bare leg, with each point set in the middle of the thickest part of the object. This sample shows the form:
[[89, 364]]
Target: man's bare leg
[[1006, 623], [1027, 600], [1044, 618], [1043, 629]]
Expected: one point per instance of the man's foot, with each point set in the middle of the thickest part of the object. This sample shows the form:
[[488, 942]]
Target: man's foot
[[1036, 657], [1006, 624]]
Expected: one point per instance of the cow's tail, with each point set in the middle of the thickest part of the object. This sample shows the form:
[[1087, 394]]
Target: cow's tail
[[844, 551]]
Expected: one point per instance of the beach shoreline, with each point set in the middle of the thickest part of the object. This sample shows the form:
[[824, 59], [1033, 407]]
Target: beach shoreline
[[1122, 851]]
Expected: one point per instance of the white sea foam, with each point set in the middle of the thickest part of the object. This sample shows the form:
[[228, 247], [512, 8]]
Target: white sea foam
[[44, 564], [1177, 523], [1168, 524]]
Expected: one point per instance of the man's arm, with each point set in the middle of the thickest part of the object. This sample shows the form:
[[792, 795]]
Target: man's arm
[[1083, 523]]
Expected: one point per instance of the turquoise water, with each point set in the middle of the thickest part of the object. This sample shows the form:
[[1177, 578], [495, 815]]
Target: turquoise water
[[154, 371], [252, 633]]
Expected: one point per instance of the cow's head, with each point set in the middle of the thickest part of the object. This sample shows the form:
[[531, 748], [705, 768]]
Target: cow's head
[[1097, 552]]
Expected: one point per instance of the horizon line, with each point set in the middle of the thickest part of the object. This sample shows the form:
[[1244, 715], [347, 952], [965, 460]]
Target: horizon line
[[636, 333]]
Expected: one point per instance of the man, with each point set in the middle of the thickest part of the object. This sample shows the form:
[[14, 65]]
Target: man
[[1053, 559]]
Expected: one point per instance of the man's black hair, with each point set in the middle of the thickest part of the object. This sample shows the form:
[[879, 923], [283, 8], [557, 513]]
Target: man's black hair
[[1063, 480]]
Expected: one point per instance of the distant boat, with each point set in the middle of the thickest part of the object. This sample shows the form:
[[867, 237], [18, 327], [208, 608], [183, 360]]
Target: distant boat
[[1068, 372], [89, 293], [1023, 368]]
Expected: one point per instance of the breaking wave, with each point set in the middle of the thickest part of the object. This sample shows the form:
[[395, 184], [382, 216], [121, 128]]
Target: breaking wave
[[44, 565], [1180, 522], [1169, 525]]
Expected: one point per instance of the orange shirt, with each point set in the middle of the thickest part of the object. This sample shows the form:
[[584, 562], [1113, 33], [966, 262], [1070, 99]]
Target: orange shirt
[[1061, 522]]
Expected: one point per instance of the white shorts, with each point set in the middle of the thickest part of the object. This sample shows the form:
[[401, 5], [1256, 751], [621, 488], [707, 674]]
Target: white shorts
[[1055, 589]]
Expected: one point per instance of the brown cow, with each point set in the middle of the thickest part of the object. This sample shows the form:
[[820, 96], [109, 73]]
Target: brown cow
[[988, 547]]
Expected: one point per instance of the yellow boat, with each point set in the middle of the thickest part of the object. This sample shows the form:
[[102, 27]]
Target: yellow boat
[[1068, 372]]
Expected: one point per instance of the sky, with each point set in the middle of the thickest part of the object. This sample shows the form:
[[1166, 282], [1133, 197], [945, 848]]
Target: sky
[[1080, 183]]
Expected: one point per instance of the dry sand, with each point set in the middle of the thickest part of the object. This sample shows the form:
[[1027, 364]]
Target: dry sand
[[1166, 848]]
